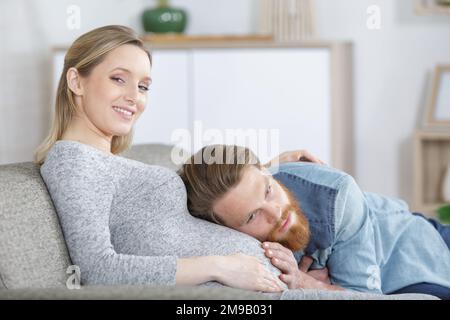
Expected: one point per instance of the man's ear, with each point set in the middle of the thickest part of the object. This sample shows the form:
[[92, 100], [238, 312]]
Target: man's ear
[[74, 81], [265, 171]]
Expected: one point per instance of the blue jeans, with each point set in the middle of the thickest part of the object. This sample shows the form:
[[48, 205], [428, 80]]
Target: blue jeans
[[429, 288]]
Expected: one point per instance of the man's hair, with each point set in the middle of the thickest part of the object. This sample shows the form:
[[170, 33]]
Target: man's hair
[[210, 173]]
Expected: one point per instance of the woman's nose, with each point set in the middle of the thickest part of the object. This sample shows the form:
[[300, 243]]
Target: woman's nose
[[131, 96]]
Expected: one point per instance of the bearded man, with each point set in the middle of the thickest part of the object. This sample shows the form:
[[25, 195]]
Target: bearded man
[[368, 242]]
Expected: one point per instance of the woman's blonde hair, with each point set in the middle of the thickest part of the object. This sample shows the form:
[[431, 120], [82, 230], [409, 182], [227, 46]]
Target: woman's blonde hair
[[85, 54]]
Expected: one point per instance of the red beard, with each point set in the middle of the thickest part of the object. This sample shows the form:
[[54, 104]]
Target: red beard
[[298, 235]]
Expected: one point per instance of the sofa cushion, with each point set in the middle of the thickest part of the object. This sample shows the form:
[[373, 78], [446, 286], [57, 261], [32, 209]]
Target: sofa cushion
[[136, 292], [32, 248], [156, 154]]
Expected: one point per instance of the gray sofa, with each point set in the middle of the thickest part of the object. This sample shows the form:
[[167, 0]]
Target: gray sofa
[[34, 258]]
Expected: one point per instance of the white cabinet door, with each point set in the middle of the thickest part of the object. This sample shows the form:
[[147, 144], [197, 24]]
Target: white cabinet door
[[286, 89], [167, 106]]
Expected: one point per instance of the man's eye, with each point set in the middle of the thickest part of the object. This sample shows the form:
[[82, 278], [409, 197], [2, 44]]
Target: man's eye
[[269, 190]]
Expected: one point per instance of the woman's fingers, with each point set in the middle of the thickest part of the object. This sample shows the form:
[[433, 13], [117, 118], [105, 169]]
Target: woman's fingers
[[271, 282], [269, 278], [272, 287]]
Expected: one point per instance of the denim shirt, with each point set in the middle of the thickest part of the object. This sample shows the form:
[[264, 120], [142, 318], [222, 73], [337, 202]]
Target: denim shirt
[[368, 242]]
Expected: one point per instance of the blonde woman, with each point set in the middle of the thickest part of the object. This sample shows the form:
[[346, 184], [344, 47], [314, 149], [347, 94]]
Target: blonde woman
[[125, 222]]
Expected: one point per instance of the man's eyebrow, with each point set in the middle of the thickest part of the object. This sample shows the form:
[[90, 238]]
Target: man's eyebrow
[[128, 71], [266, 185]]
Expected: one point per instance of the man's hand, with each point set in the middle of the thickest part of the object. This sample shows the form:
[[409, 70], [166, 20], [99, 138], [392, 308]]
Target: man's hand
[[318, 274], [283, 258], [294, 156], [292, 274]]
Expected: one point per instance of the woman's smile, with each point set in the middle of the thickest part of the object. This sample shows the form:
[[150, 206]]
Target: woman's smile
[[125, 113]]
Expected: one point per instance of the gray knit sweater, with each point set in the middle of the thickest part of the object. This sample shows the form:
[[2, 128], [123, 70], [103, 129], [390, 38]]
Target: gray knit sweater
[[126, 222]]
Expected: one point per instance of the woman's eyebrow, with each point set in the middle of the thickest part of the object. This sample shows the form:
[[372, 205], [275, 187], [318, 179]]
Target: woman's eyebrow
[[148, 78], [122, 69]]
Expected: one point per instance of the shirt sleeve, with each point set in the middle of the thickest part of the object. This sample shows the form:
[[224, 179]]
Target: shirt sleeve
[[353, 260], [82, 191]]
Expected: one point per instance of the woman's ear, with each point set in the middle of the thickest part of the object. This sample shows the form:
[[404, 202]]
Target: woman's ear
[[74, 81]]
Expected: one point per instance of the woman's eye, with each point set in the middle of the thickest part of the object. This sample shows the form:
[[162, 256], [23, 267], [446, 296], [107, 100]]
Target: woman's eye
[[144, 88], [117, 79]]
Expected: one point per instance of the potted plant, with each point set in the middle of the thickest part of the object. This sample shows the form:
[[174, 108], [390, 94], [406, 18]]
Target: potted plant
[[444, 213], [164, 19]]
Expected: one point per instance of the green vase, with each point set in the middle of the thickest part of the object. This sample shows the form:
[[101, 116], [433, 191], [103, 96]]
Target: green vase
[[164, 19]]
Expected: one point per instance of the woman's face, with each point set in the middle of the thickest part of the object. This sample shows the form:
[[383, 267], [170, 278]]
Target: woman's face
[[114, 94]]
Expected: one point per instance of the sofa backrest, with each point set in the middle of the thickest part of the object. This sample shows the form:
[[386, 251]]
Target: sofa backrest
[[33, 253], [32, 248]]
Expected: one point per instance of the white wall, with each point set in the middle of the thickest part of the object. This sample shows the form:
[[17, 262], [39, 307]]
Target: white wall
[[392, 67], [392, 70], [30, 28]]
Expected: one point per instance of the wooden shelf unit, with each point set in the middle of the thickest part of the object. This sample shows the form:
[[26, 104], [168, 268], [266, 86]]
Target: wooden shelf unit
[[431, 7], [432, 155], [186, 38]]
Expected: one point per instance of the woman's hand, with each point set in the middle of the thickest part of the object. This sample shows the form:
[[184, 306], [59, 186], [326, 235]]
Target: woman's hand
[[245, 272], [294, 156]]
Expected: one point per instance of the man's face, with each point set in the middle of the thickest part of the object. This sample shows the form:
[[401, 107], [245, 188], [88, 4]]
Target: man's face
[[262, 207]]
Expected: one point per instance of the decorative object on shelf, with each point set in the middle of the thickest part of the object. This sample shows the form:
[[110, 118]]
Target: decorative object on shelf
[[432, 7], [164, 19], [438, 108], [431, 161], [288, 20], [444, 213], [446, 185], [432, 147]]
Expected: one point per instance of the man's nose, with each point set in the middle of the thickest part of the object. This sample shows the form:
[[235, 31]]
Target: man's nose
[[273, 213]]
